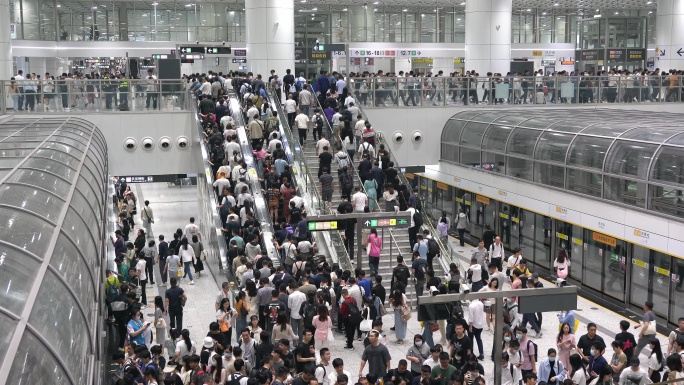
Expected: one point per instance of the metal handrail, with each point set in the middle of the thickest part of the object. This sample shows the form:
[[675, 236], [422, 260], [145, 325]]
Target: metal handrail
[[296, 155], [261, 212], [564, 89]]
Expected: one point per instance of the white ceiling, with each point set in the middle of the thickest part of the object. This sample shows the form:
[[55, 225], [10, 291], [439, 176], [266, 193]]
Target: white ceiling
[[573, 4]]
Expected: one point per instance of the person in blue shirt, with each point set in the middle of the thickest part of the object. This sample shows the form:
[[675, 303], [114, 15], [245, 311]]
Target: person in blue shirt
[[421, 247], [569, 318], [365, 283], [596, 360], [551, 370]]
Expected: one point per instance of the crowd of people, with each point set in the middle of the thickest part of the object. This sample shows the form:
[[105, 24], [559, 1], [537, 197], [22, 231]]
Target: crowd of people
[[278, 324]]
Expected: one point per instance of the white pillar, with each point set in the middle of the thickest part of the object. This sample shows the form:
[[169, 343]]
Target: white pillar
[[445, 64], [670, 35], [270, 36], [6, 66], [488, 35]]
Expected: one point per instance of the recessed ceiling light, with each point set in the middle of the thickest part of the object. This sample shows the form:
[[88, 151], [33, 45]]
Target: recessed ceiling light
[[345, 9], [529, 10], [315, 9], [155, 4], [543, 13], [463, 3], [59, 5], [376, 2], [405, 10], [188, 5], [649, 2], [557, 4], [650, 12]]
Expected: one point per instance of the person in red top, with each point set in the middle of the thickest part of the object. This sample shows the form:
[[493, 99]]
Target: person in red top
[[345, 312]]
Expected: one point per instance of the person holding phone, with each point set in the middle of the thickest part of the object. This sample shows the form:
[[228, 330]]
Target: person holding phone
[[139, 330]]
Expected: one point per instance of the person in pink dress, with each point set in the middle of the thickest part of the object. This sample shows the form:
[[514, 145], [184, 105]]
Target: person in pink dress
[[565, 343]]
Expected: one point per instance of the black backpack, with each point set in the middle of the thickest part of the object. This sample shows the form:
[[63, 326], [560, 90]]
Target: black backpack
[[308, 311], [366, 149], [234, 379], [354, 313], [433, 246], [319, 122], [347, 181], [417, 219], [536, 349]]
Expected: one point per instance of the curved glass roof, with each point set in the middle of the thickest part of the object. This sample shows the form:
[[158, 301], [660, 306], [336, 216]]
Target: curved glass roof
[[52, 191], [629, 157]]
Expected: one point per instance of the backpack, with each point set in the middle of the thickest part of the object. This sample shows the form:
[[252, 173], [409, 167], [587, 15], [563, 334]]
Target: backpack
[[536, 349], [354, 313], [326, 294], [366, 150], [319, 122], [308, 311], [113, 291], [433, 246], [457, 310], [347, 181], [418, 219], [298, 84], [325, 372], [234, 379], [342, 160]]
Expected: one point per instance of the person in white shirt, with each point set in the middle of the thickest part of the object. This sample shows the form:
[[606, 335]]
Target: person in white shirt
[[349, 99], [152, 92], [294, 303], [323, 142], [338, 366], [358, 128], [477, 323], [324, 368], [433, 360], [290, 107], [496, 253], [510, 374], [305, 99], [141, 269], [187, 256], [336, 118], [359, 200], [192, 229], [302, 122], [366, 147], [272, 144], [205, 88]]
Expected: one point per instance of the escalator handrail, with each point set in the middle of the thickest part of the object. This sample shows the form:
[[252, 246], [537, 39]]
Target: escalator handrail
[[216, 218], [260, 210]]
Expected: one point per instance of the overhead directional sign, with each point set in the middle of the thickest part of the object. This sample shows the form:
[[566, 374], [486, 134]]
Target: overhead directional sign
[[412, 169], [194, 56], [197, 49], [160, 56], [240, 52], [218, 50], [240, 60], [680, 52], [386, 222], [322, 226]]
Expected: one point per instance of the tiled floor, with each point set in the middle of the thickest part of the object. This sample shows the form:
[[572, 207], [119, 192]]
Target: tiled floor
[[173, 206]]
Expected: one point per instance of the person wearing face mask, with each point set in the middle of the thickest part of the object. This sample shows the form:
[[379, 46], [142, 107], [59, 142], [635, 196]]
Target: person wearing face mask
[[510, 374], [516, 357], [417, 354], [596, 360], [138, 330], [551, 369]]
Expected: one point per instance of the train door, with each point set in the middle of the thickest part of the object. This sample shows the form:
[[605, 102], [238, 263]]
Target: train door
[[563, 244], [542, 229], [463, 205], [504, 225], [650, 280], [485, 215]]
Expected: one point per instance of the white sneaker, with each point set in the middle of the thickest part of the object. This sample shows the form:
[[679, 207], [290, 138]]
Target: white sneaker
[[162, 284], [192, 282]]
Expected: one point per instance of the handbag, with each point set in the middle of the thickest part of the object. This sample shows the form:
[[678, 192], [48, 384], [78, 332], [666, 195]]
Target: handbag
[[434, 327], [203, 256], [330, 337], [651, 328], [368, 248], [367, 323], [405, 312], [225, 327], [161, 323]]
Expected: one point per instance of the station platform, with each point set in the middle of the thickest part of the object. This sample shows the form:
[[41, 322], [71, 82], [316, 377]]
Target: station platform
[[173, 206]]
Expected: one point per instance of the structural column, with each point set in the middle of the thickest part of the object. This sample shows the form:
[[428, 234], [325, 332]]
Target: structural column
[[670, 35], [270, 36], [6, 66], [488, 35]]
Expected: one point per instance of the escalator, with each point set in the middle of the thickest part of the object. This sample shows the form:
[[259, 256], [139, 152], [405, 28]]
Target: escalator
[[305, 171], [216, 245]]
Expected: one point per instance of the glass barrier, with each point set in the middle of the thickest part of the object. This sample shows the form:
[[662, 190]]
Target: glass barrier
[[94, 95], [382, 92]]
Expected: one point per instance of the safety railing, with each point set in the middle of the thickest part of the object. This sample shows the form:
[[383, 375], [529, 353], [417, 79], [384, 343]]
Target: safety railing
[[209, 218], [260, 208], [69, 95], [307, 185], [446, 251], [380, 92]]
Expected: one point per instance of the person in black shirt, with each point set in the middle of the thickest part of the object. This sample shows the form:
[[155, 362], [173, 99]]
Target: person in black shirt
[[306, 376], [324, 160], [585, 342], [461, 346], [207, 106], [305, 352], [295, 214], [401, 372], [174, 302], [488, 236], [379, 289], [264, 349], [286, 354], [345, 206], [220, 339], [400, 275], [627, 339]]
